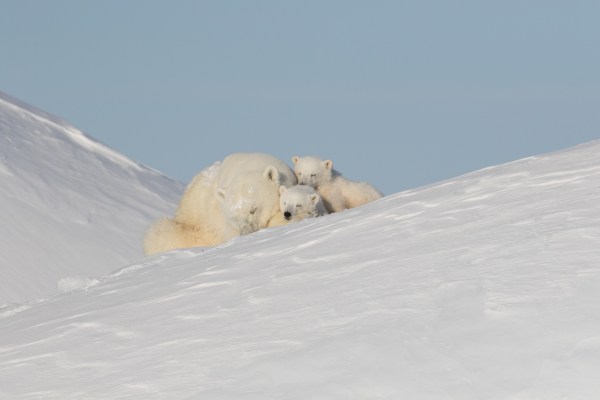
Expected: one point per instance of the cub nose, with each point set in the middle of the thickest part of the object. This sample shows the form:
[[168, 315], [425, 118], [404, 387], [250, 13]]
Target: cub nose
[[287, 215]]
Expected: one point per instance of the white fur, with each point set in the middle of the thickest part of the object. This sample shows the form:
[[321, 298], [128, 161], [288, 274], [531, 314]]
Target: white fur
[[167, 234], [299, 202], [277, 220], [337, 192], [234, 197]]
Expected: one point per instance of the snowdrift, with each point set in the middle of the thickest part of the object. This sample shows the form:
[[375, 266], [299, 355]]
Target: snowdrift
[[486, 286], [69, 206]]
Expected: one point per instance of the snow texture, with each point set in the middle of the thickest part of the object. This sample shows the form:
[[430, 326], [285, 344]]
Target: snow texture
[[68, 205], [73, 283], [486, 286]]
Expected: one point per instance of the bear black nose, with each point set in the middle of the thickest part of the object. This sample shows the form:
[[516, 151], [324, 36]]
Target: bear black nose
[[287, 215]]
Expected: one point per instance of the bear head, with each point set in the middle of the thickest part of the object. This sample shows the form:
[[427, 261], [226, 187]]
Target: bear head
[[312, 171], [251, 199], [299, 202]]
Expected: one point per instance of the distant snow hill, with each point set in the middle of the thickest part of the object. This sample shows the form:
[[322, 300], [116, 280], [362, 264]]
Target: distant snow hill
[[486, 286], [69, 206]]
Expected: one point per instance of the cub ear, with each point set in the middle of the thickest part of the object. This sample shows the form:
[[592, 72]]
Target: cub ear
[[295, 159], [282, 190], [314, 198], [328, 164], [221, 194], [271, 174]]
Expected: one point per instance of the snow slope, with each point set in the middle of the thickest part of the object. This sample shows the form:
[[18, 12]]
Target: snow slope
[[486, 286], [68, 205]]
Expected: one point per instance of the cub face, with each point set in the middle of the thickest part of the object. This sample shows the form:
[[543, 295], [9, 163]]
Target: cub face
[[299, 202], [312, 171]]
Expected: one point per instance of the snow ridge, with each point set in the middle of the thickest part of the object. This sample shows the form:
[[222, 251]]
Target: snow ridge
[[75, 134], [68, 204]]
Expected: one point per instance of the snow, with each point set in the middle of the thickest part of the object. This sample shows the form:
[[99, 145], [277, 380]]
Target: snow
[[482, 286], [68, 205], [73, 283]]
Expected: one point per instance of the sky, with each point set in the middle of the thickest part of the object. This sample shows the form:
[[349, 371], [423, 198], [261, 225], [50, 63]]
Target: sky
[[398, 93]]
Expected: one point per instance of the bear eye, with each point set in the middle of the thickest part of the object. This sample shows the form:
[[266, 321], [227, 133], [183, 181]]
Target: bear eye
[[313, 175], [253, 210], [299, 205]]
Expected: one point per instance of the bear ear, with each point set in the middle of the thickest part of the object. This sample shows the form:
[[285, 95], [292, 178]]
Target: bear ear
[[221, 194], [295, 159], [328, 164], [314, 198], [282, 190], [271, 174]]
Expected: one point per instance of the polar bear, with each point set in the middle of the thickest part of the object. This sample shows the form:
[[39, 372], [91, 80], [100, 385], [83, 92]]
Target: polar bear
[[168, 234], [337, 192], [233, 197], [299, 202]]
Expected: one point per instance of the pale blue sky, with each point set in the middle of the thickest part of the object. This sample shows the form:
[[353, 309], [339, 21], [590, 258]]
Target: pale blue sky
[[399, 93]]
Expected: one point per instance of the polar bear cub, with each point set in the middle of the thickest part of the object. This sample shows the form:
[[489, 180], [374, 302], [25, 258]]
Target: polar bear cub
[[337, 192], [299, 202]]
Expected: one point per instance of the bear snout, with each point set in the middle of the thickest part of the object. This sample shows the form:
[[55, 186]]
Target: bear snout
[[287, 215]]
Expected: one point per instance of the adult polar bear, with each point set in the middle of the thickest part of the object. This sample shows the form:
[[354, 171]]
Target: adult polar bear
[[237, 196]]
